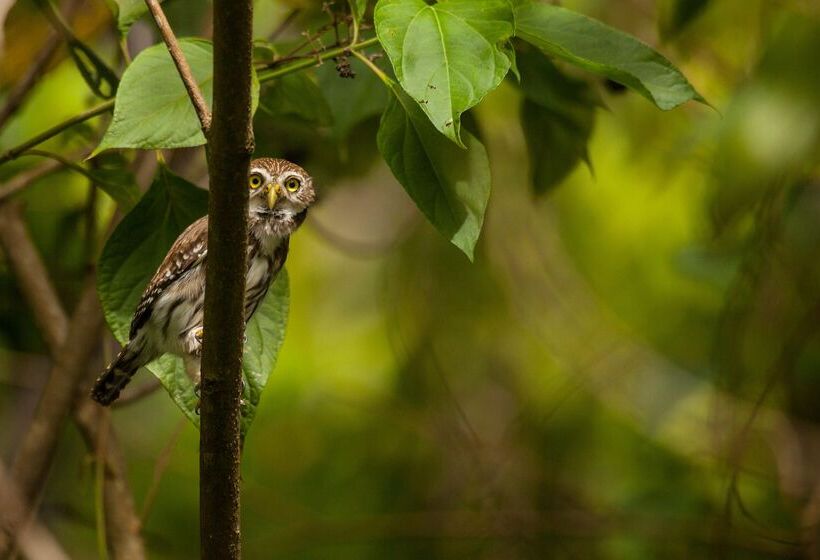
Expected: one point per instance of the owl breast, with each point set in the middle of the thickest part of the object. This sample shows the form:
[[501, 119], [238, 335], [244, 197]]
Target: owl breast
[[178, 311]]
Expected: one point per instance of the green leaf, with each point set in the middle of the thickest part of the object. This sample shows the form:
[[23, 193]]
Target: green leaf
[[265, 334], [114, 178], [447, 56], [596, 47], [557, 117], [555, 145], [129, 260], [351, 101], [128, 12], [137, 246], [296, 95], [152, 109], [357, 9], [450, 185]]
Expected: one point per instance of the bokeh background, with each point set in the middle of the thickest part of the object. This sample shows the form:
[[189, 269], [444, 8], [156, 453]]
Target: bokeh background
[[629, 369]]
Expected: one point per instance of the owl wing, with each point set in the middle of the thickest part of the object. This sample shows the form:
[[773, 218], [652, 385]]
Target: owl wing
[[189, 250]]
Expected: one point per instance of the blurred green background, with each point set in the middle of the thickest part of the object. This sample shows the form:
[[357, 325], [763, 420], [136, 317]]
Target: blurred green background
[[580, 391]]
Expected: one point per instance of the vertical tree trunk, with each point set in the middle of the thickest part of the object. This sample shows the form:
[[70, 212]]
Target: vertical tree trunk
[[230, 145]]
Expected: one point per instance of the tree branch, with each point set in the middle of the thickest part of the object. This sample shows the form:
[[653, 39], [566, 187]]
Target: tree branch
[[18, 150], [230, 147], [198, 101], [122, 522]]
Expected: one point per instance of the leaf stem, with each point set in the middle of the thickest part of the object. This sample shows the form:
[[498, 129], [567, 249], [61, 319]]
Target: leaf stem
[[63, 160], [264, 76], [273, 73], [375, 69]]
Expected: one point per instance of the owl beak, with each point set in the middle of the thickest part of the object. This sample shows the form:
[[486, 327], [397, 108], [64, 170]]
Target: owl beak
[[273, 194]]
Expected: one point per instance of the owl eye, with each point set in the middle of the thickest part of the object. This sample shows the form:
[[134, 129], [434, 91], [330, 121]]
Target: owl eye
[[293, 184], [255, 181]]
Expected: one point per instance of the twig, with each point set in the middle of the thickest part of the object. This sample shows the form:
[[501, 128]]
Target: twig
[[26, 178], [59, 162], [55, 130], [198, 101], [137, 394], [99, 447], [273, 71], [285, 23], [163, 460], [264, 76], [122, 523]]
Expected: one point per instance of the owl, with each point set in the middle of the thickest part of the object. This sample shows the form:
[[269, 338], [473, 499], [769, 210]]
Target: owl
[[169, 315]]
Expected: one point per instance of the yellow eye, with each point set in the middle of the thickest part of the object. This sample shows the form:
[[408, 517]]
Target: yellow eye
[[255, 181], [293, 184]]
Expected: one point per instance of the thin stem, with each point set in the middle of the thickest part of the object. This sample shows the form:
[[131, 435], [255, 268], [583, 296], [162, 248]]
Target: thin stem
[[375, 69], [181, 63], [273, 73], [284, 25], [99, 488], [27, 178], [264, 76], [65, 161], [17, 151]]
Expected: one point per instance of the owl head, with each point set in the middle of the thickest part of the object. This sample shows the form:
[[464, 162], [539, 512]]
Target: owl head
[[279, 189]]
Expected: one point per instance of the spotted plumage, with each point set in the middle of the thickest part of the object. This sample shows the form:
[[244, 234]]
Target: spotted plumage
[[169, 316]]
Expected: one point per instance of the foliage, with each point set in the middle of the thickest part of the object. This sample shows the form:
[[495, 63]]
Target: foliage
[[625, 366], [447, 57], [152, 108]]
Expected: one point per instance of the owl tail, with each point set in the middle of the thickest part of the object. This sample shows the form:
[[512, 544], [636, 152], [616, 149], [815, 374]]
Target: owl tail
[[108, 386]]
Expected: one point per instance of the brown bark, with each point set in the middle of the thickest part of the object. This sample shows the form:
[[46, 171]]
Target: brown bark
[[230, 144]]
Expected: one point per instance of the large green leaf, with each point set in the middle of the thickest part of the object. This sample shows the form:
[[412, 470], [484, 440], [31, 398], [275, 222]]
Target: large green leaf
[[557, 117], [450, 185], [447, 56], [152, 109], [137, 246], [129, 259], [596, 47], [117, 181], [296, 95]]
